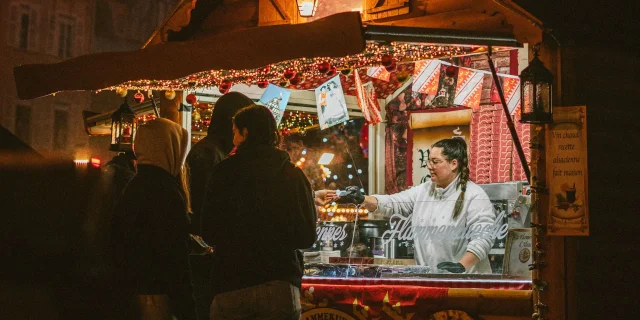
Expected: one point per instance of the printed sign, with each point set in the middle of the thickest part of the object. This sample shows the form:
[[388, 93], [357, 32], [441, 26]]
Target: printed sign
[[567, 178], [332, 108], [518, 254], [275, 99]]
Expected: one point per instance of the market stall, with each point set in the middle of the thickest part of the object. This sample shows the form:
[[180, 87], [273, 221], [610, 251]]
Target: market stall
[[412, 83]]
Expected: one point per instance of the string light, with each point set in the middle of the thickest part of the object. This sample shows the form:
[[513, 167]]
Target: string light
[[303, 67], [297, 122]]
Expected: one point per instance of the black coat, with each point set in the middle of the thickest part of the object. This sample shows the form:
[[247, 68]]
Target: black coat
[[258, 210], [150, 237]]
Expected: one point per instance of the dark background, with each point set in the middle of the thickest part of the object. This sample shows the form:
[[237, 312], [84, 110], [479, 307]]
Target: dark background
[[600, 70]]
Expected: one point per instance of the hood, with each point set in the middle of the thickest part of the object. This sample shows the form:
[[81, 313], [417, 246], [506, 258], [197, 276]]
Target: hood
[[263, 160], [162, 143]]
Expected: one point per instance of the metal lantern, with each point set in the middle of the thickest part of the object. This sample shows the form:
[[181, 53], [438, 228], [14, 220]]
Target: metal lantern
[[123, 128], [536, 84], [307, 8]]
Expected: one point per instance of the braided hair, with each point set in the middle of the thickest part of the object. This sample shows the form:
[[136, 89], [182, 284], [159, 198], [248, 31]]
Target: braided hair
[[456, 148]]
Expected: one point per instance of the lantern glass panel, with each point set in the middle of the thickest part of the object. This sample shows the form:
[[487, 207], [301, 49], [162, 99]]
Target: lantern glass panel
[[527, 97], [543, 97]]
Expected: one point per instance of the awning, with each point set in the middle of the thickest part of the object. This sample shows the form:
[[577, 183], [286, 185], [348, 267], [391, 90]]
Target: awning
[[334, 36]]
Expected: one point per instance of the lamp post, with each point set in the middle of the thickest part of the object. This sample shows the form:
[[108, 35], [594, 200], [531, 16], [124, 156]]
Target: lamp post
[[123, 128], [307, 8], [536, 84]]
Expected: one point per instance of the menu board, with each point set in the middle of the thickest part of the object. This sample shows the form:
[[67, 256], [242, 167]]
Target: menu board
[[567, 178]]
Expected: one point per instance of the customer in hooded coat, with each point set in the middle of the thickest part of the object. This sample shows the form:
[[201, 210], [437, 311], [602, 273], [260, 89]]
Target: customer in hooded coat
[[205, 154], [258, 211], [150, 227]]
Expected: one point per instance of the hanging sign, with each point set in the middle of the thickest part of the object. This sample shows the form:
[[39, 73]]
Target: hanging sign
[[567, 178]]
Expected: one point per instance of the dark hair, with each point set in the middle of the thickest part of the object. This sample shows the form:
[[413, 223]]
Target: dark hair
[[223, 111], [260, 124], [456, 148]]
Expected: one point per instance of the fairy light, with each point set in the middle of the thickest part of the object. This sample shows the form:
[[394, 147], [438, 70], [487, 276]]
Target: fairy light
[[304, 67]]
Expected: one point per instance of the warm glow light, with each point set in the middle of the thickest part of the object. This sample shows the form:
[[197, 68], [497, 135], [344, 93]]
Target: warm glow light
[[95, 162], [326, 158], [81, 162]]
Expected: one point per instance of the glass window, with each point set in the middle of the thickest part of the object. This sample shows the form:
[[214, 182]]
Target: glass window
[[66, 27], [23, 26], [23, 123]]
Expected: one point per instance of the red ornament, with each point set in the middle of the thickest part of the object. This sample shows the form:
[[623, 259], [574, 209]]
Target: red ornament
[[191, 99], [332, 72], [324, 67], [263, 83], [138, 97], [387, 60], [295, 80], [451, 71], [284, 83], [265, 69], [392, 67], [289, 74], [225, 86]]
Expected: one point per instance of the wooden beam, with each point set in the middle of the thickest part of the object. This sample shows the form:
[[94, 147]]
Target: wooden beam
[[282, 11]]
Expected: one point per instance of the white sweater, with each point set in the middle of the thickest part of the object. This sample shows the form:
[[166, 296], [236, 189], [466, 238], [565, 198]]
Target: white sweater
[[437, 237]]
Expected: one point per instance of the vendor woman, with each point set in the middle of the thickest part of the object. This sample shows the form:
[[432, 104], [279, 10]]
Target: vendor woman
[[451, 216]]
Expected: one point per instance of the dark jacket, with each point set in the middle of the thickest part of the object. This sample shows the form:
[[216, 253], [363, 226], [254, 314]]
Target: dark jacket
[[257, 212], [203, 156], [149, 239]]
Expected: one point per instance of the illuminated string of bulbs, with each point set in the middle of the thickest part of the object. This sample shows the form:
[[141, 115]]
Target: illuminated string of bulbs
[[297, 70]]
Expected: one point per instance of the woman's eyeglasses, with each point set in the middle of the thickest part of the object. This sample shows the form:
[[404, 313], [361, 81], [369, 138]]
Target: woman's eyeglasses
[[435, 162]]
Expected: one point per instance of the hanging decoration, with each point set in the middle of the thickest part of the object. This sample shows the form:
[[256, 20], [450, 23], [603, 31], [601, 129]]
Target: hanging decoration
[[121, 91], [289, 74], [373, 56], [263, 83], [225, 86], [191, 98], [138, 97], [170, 94]]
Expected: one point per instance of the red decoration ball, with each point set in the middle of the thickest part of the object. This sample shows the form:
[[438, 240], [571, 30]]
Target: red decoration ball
[[263, 83], [284, 83], [225, 86], [191, 98], [265, 69], [138, 97], [332, 72], [324, 67], [387, 60], [295, 80], [451, 71], [289, 74], [392, 67]]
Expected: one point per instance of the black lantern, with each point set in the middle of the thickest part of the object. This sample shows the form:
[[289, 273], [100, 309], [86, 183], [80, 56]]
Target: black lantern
[[123, 128], [307, 8], [535, 91]]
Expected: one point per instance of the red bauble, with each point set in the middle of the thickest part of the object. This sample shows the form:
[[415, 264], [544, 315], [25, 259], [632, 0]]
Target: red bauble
[[295, 80], [284, 83], [265, 69], [324, 67], [451, 71], [289, 74], [387, 60], [138, 97], [191, 99], [332, 72], [392, 67], [263, 83], [225, 86]]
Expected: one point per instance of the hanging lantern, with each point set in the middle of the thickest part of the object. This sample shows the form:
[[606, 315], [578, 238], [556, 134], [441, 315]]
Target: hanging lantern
[[169, 94], [535, 91], [123, 128], [307, 8]]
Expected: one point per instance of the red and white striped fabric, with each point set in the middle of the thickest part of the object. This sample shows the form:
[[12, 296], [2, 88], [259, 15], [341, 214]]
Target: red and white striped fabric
[[426, 76], [379, 73], [469, 88]]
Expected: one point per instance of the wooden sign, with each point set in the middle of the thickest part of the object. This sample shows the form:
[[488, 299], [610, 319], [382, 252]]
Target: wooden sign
[[567, 177]]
